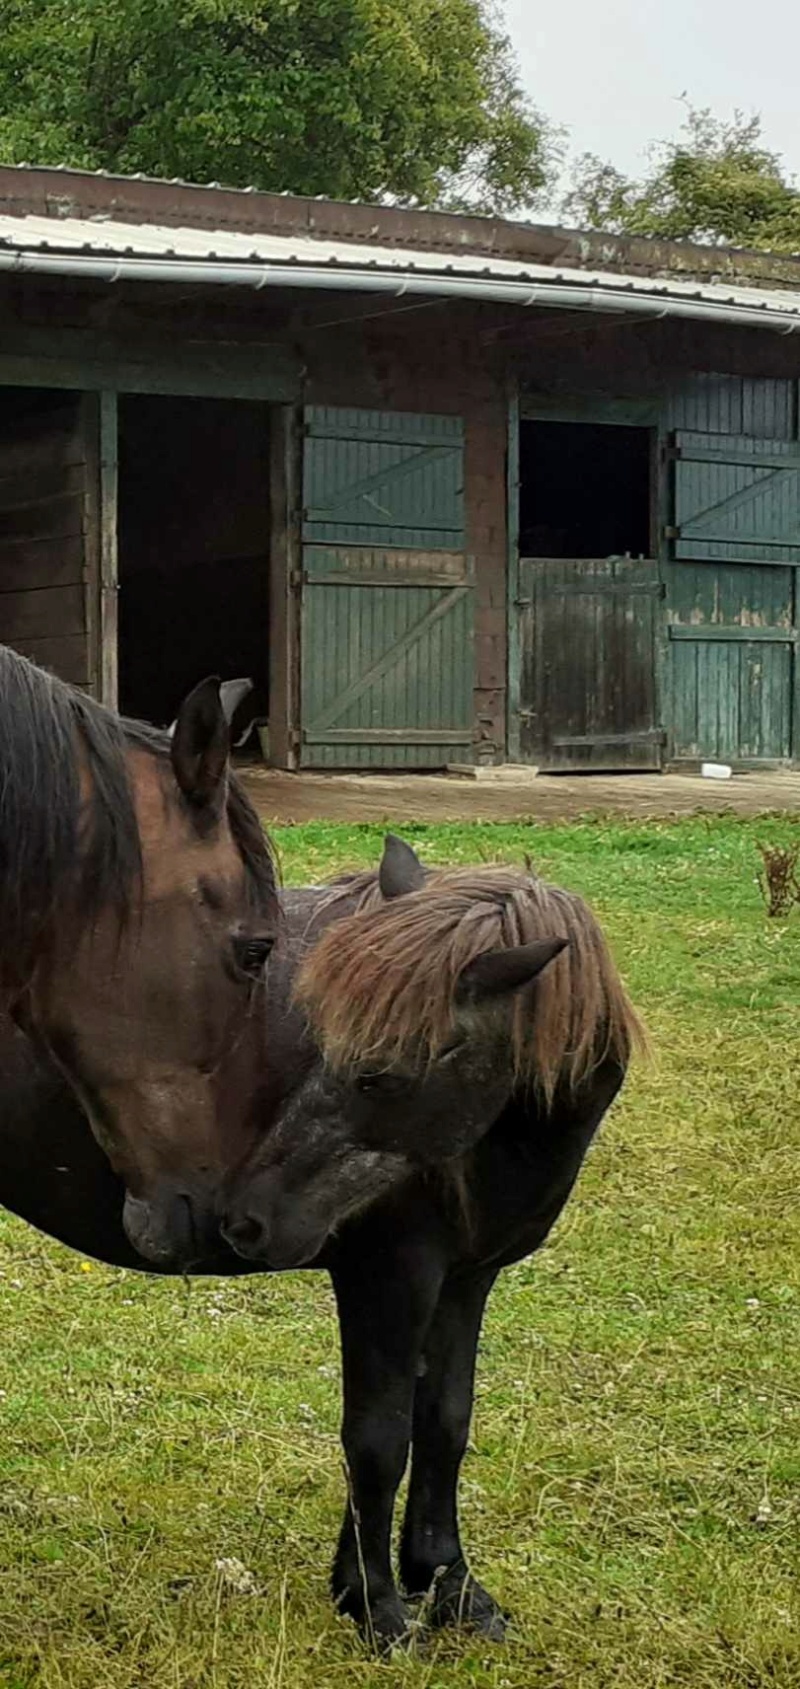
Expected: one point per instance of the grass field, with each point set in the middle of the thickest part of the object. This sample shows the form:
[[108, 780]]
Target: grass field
[[633, 1492]]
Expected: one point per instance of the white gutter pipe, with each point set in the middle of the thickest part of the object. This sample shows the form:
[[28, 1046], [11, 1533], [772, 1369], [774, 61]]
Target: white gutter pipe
[[556, 295]]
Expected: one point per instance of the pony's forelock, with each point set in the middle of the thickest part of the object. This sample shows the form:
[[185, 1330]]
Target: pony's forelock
[[379, 987]]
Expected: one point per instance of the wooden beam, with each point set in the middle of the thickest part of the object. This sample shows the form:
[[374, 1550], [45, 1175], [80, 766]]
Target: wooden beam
[[284, 558], [89, 428], [514, 659], [383, 577], [389, 736], [716, 631], [109, 562], [89, 362]]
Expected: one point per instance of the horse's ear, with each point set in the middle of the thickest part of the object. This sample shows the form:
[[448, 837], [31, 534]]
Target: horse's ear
[[199, 747], [499, 972], [233, 693], [401, 870]]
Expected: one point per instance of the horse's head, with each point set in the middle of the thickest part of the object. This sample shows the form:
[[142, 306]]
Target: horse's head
[[412, 1002], [137, 911]]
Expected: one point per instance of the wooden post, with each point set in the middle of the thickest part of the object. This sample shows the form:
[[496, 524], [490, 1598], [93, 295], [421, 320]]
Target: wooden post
[[512, 582], [660, 550], [109, 573], [284, 602]]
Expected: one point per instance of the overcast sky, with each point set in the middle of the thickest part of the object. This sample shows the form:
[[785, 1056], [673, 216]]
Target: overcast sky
[[612, 71]]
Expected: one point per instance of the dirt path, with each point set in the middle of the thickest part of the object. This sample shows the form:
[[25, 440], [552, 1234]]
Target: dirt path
[[506, 795]]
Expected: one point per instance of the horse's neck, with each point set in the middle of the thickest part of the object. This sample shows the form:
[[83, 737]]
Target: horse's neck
[[306, 911], [287, 1047]]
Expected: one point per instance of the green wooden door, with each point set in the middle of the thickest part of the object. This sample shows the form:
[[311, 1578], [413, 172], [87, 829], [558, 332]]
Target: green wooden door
[[735, 542], [387, 612]]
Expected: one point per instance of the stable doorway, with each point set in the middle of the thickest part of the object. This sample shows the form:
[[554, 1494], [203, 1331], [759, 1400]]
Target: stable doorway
[[193, 549], [587, 601]]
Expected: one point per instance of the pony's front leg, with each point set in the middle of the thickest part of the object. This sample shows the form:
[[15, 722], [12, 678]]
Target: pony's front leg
[[431, 1556], [386, 1291]]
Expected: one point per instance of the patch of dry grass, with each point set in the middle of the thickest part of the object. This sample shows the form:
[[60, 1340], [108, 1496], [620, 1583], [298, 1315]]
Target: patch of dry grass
[[633, 1491]]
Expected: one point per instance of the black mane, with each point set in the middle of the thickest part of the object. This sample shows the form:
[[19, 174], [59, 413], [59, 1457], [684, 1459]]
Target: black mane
[[54, 851]]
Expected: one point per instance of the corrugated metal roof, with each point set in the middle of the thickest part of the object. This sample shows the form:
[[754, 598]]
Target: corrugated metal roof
[[108, 239]]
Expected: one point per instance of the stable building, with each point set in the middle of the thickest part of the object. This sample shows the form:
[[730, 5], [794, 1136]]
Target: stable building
[[449, 488]]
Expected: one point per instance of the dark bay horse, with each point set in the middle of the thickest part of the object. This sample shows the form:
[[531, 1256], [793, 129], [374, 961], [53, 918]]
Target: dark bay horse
[[137, 906], [412, 1157]]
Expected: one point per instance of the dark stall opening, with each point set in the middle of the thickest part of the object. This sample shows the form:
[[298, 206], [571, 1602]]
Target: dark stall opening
[[585, 490], [193, 533]]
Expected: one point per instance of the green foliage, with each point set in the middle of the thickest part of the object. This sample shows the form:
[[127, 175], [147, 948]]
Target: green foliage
[[348, 98], [717, 183]]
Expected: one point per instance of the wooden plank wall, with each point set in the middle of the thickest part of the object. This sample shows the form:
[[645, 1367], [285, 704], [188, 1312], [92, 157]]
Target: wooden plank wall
[[45, 511]]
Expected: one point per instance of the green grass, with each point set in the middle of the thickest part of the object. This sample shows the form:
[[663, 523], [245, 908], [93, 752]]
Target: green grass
[[633, 1492]]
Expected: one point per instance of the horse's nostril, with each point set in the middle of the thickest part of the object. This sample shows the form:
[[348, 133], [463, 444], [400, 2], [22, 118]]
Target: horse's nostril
[[245, 1233]]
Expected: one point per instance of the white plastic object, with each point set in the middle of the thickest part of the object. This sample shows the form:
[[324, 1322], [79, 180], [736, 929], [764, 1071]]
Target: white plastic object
[[716, 770]]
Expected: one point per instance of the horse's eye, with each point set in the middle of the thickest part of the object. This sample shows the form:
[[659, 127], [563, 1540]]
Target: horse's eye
[[381, 1084], [252, 954]]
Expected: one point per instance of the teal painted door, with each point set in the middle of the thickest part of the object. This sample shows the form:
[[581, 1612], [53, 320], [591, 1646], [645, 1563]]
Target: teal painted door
[[386, 592], [734, 538]]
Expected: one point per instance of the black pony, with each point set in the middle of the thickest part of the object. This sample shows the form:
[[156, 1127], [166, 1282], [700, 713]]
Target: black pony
[[433, 1138]]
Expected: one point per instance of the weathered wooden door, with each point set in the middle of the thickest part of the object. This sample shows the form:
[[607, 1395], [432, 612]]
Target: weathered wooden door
[[386, 592], [735, 542], [588, 634]]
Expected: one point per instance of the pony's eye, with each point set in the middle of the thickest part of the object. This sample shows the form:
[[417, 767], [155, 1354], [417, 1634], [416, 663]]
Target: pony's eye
[[382, 1084], [252, 955]]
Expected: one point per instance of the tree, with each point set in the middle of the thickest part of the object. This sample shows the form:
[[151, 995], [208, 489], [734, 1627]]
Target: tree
[[417, 102], [717, 183]]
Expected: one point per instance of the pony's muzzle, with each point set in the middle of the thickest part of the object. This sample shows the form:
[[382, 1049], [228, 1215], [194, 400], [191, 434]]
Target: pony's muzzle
[[278, 1247]]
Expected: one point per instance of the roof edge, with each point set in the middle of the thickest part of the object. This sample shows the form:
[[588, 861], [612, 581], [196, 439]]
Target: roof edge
[[56, 191], [630, 300]]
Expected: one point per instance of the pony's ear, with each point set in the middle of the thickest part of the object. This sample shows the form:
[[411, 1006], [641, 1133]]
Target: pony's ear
[[199, 746], [499, 972], [401, 870]]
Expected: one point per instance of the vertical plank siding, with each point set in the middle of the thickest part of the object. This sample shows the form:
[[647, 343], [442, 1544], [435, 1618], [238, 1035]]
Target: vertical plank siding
[[44, 557]]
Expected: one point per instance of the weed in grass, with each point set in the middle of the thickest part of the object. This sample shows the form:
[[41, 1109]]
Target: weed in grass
[[778, 879]]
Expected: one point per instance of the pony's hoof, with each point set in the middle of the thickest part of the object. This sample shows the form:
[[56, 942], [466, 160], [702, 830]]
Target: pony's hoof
[[458, 1599], [386, 1623], [390, 1625]]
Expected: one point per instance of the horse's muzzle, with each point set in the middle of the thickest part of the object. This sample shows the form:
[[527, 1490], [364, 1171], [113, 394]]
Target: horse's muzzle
[[172, 1230]]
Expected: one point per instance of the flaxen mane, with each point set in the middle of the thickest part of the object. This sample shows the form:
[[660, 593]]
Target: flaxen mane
[[379, 987]]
